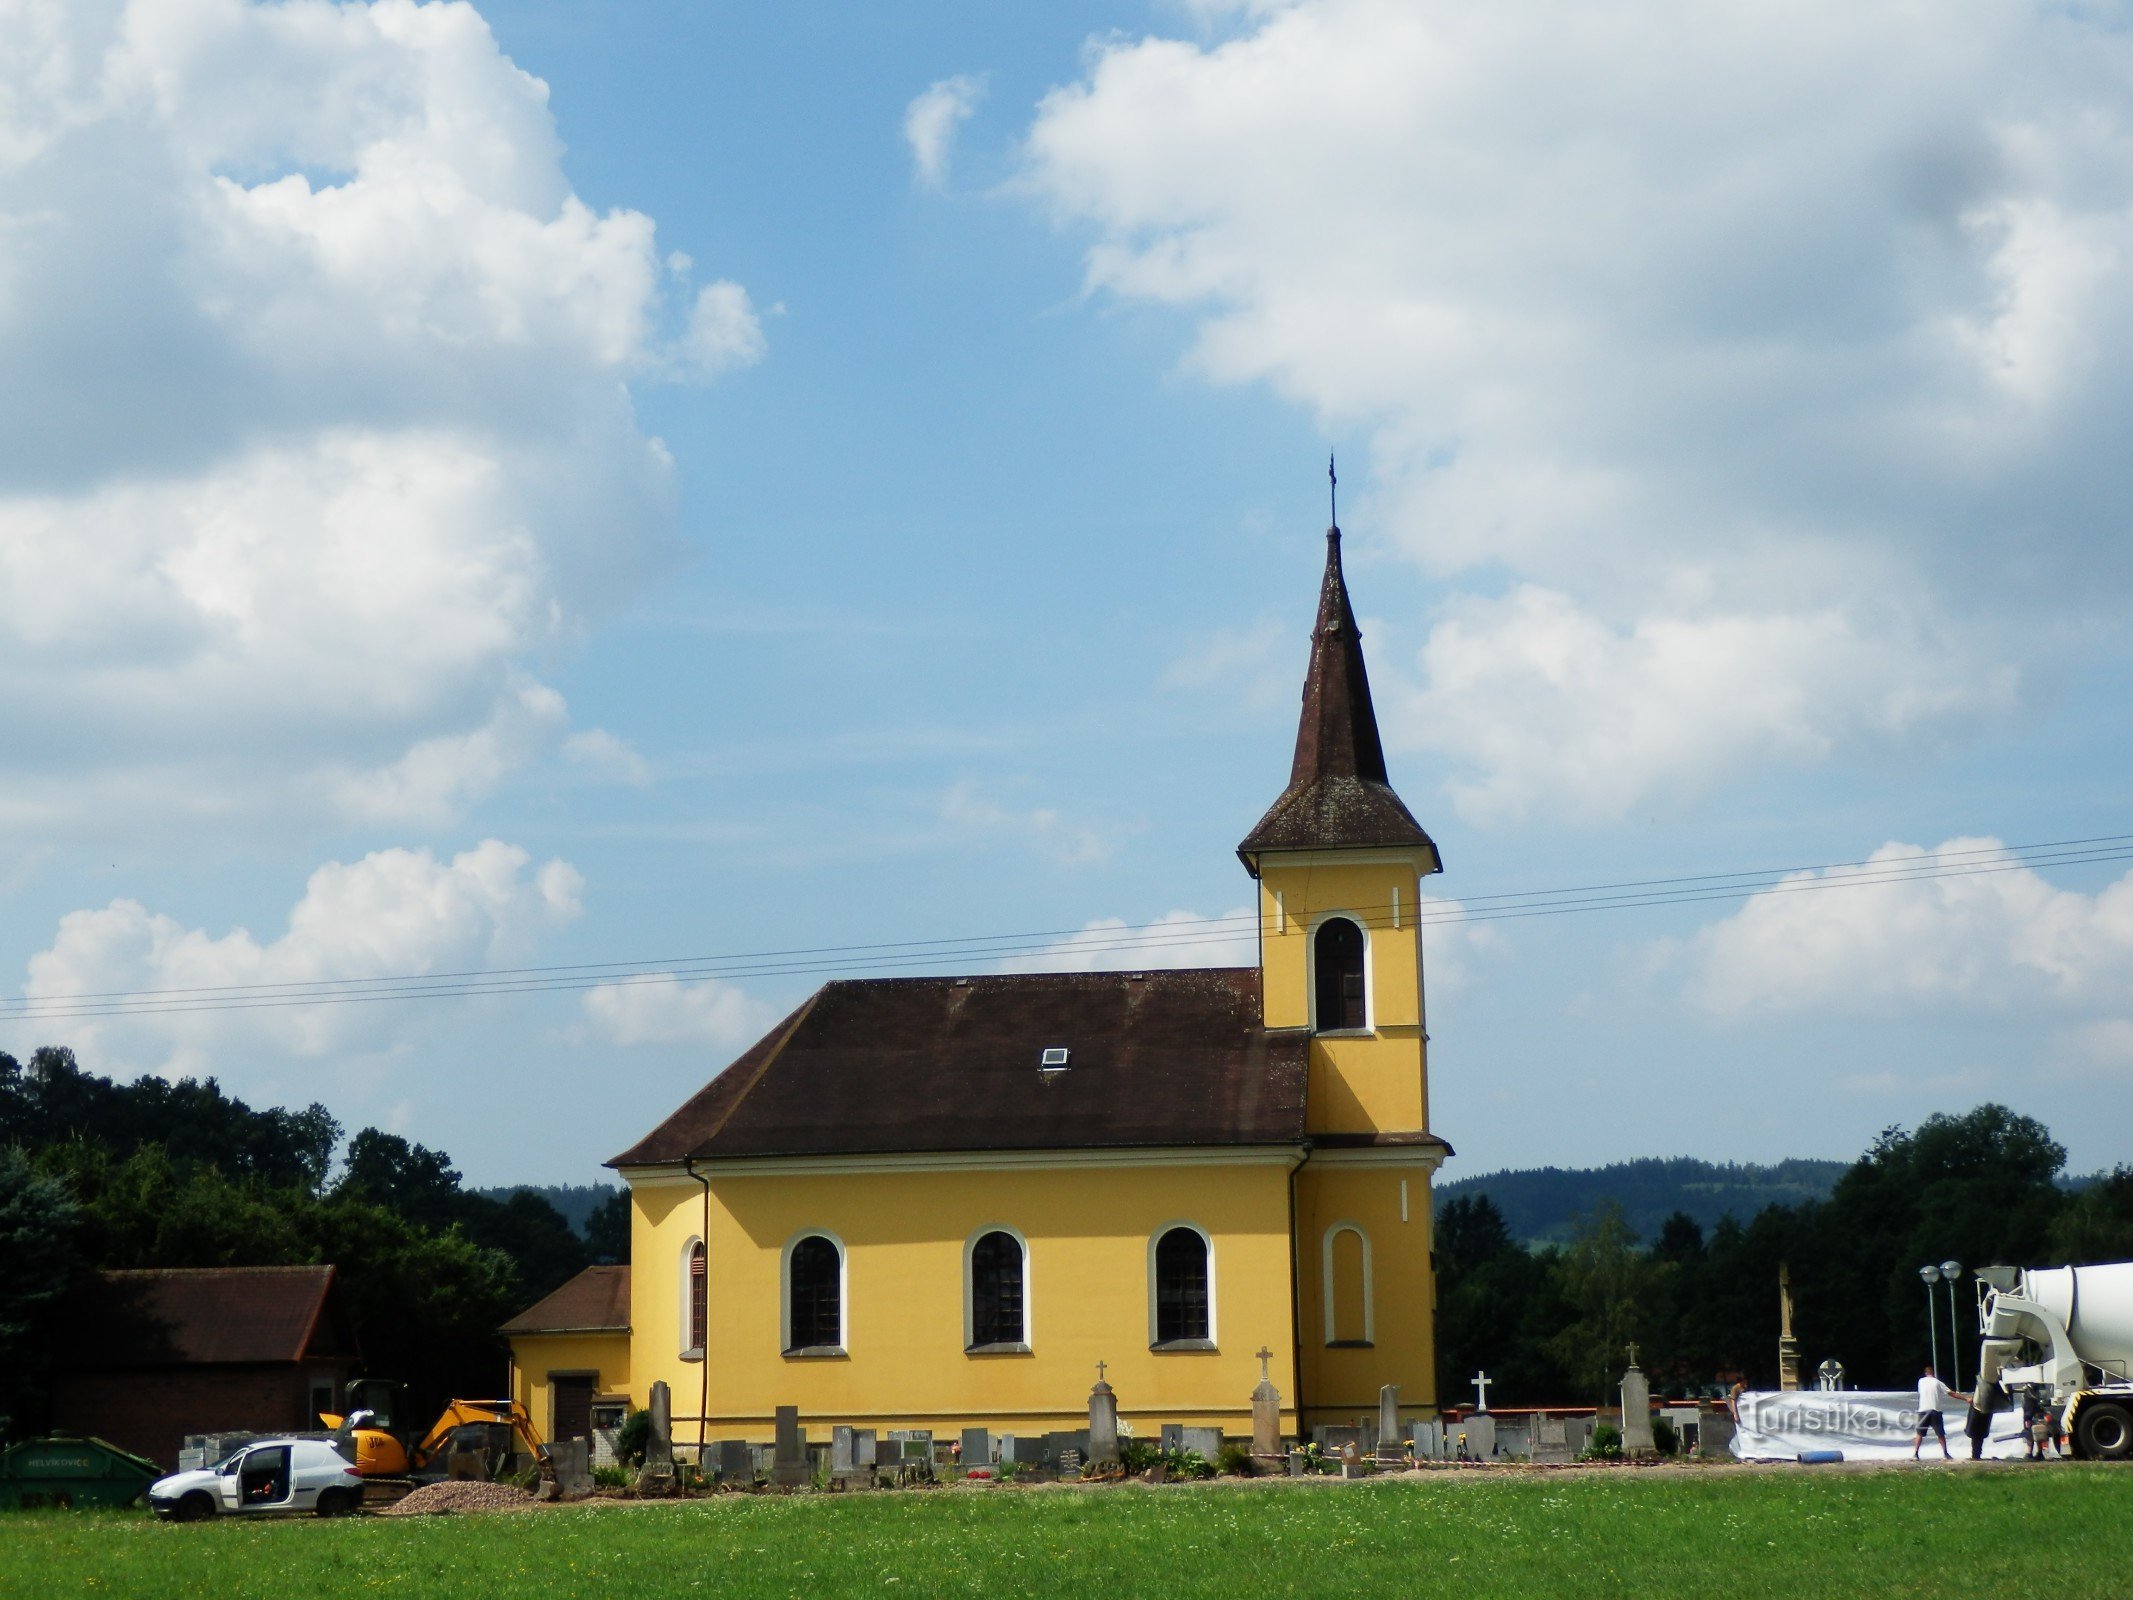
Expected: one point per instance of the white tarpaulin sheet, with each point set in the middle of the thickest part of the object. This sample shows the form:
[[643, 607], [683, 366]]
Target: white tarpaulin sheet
[[1866, 1424]]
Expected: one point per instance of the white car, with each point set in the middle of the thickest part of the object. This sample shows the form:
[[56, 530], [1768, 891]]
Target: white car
[[271, 1475]]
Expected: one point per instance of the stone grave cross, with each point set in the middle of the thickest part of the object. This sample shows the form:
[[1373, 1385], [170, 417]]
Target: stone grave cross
[[1481, 1382], [1265, 1355], [1632, 1352]]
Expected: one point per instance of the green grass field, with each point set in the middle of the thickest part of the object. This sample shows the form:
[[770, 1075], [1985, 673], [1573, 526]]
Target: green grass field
[[2058, 1531]]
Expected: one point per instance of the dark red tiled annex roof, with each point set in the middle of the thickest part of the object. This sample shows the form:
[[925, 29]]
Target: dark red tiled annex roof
[[1339, 796], [596, 1300], [201, 1316], [886, 1065]]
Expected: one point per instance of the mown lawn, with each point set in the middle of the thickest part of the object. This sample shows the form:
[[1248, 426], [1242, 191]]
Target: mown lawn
[[2062, 1531]]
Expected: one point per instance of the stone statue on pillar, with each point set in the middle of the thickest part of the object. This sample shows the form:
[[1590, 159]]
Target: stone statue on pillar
[[1788, 1346]]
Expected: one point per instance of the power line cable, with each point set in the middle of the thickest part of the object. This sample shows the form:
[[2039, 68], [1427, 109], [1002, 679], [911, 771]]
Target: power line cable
[[1150, 936]]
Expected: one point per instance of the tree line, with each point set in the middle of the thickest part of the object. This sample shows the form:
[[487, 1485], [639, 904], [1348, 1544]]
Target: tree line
[[96, 1174], [1551, 1324]]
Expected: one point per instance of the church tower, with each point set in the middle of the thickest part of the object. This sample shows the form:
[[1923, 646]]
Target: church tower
[[1339, 862]]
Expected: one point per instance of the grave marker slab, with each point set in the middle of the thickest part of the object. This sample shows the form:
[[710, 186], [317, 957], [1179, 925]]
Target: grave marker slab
[[1637, 1413], [788, 1467]]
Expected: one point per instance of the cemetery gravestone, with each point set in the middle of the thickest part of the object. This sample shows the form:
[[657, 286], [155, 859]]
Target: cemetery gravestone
[[1714, 1433], [1480, 1434], [1636, 1411], [1389, 1426], [1425, 1437], [1266, 1411], [572, 1461], [1204, 1442], [788, 1468], [977, 1450], [656, 1476], [731, 1460], [1551, 1441], [1103, 1423]]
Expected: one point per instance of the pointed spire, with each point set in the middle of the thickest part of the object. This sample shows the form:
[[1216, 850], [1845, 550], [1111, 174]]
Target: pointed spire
[[1339, 796], [1338, 735]]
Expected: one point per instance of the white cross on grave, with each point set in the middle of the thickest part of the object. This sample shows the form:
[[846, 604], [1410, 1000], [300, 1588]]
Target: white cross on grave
[[1481, 1381]]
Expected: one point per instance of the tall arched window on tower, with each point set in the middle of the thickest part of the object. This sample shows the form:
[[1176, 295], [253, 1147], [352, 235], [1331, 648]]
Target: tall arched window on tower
[[1347, 1287], [1337, 956], [1183, 1303], [814, 1290], [997, 1319], [699, 1296]]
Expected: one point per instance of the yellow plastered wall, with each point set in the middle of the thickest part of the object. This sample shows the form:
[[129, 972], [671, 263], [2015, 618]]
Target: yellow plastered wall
[[535, 1356], [1374, 1082], [905, 1233], [1341, 1381]]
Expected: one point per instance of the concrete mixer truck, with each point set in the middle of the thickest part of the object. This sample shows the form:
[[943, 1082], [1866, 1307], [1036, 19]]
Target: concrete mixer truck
[[2066, 1333]]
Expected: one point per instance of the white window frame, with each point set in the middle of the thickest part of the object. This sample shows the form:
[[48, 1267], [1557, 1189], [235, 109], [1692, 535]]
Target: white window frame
[[844, 1296], [1370, 1332], [1370, 985], [1155, 1237], [690, 1350], [970, 1293]]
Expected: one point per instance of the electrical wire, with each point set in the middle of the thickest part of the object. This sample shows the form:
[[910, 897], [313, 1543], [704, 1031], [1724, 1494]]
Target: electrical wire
[[1150, 937]]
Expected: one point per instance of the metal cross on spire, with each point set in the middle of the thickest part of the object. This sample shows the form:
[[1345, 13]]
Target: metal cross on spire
[[1333, 491]]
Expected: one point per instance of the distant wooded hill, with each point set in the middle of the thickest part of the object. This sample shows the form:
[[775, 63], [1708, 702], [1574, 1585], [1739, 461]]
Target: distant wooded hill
[[1542, 1205], [577, 1201]]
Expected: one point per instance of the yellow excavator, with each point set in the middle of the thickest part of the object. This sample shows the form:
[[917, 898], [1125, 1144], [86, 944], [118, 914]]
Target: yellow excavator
[[470, 1438]]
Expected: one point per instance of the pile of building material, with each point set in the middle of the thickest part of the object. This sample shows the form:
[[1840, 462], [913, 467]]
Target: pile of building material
[[465, 1494]]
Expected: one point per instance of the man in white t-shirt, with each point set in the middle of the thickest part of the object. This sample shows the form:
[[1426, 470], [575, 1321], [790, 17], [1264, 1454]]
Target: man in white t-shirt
[[1933, 1398]]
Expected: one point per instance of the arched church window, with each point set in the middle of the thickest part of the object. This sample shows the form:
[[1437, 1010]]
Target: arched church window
[[1182, 1301], [699, 1295], [1337, 955], [814, 1276], [996, 1291]]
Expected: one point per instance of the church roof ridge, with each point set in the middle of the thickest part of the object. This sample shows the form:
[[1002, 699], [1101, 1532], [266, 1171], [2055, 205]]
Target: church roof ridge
[[1173, 1056]]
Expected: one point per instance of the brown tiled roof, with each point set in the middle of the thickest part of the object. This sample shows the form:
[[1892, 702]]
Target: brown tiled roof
[[1339, 796], [201, 1316], [597, 1299], [888, 1065]]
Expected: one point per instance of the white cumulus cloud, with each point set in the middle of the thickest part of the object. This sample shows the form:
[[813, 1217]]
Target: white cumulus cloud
[[395, 913], [1977, 941], [1772, 347], [659, 1008], [932, 120], [317, 429]]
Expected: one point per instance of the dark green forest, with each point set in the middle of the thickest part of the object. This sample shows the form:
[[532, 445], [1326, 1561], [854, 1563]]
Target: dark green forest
[[1550, 1322], [1542, 1205], [97, 1174]]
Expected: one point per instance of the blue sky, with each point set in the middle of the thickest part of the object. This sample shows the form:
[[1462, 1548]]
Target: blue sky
[[711, 505]]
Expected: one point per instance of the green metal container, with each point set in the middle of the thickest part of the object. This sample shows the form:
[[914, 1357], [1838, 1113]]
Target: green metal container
[[72, 1470]]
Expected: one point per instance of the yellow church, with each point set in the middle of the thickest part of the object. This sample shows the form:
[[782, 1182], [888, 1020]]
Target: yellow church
[[941, 1202]]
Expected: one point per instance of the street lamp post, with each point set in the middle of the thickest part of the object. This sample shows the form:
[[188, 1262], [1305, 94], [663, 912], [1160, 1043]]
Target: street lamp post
[[1930, 1275], [1951, 1272]]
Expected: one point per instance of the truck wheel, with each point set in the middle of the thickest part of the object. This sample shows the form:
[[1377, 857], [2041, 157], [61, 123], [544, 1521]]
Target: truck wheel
[[2103, 1431], [336, 1502], [195, 1507]]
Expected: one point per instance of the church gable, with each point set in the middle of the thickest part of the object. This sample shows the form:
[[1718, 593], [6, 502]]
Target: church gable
[[921, 1065]]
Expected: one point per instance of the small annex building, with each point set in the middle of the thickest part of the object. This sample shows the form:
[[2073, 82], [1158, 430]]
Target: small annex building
[[570, 1358], [941, 1202], [149, 1357]]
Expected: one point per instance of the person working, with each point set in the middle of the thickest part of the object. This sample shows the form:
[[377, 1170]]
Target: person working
[[1933, 1398]]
